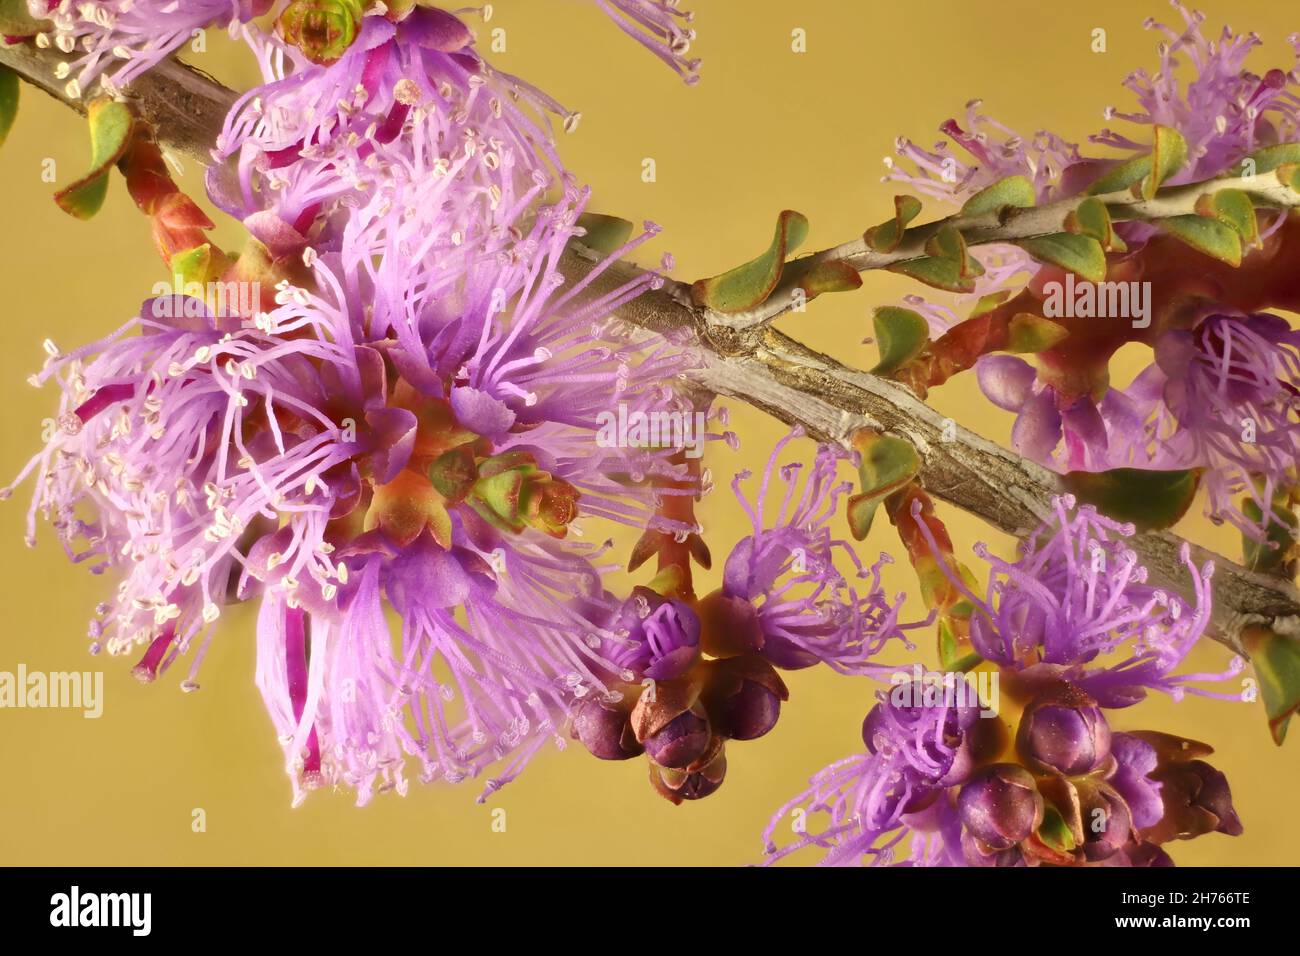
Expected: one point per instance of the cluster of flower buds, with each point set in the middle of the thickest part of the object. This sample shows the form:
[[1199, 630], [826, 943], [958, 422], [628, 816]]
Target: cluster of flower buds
[[686, 705], [1071, 791]]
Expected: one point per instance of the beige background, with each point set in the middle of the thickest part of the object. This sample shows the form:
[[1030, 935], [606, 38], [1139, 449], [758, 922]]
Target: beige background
[[765, 130]]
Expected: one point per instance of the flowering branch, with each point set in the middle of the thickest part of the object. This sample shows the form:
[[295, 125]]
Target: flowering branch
[[742, 357]]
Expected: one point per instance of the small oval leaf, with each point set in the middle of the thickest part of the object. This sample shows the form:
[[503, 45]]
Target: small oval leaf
[[1205, 235], [110, 132], [748, 286], [1081, 255], [604, 233], [886, 236], [1151, 500], [886, 464], [900, 335], [1014, 191]]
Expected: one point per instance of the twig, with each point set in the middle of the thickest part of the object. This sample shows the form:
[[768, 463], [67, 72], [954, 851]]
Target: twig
[[763, 367]]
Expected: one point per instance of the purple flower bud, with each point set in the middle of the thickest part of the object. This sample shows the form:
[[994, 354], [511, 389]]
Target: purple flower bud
[[1216, 797], [1107, 822], [976, 855], [1064, 730], [694, 784], [681, 741], [605, 730], [1000, 806], [743, 696], [1147, 854]]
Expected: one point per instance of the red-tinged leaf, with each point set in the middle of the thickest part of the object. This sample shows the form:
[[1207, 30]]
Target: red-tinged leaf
[[1151, 500], [148, 179], [886, 236], [1168, 155], [178, 224], [748, 286], [1233, 208], [646, 547], [834, 275], [110, 133]]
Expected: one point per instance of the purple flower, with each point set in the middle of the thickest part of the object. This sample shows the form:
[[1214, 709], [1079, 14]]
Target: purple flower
[[412, 425], [1223, 397], [135, 33], [782, 595], [648, 635], [660, 27], [874, 800], [1077, 596], [1224, 111]]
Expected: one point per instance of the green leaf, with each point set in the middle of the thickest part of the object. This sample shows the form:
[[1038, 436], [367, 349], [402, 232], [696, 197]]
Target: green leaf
[[900, 335], [110, 132], [987, 303], [193, 265], [833, 275], [8, 101], [1233, 208], [604, 233], [1091, 218], [1014, 191], [886, 236], [1081, 255], [955, 655], [1208, 236], [1167, 156], [1054, 831], [886, 465], [1271, 157], [749, 285], [1271, 555], [1151, 500], [941, 273], [1027, 333], [1277, 667]]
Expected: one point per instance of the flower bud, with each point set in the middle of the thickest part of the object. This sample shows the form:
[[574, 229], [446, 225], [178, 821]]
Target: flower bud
[[693, 783], [1063, 730], [977, 855], [1000, 806], [322, 29], [681, 741], [1194, 795], [729, 625], [512, 493], [743, 696], [1107, 822], [605, 730]]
